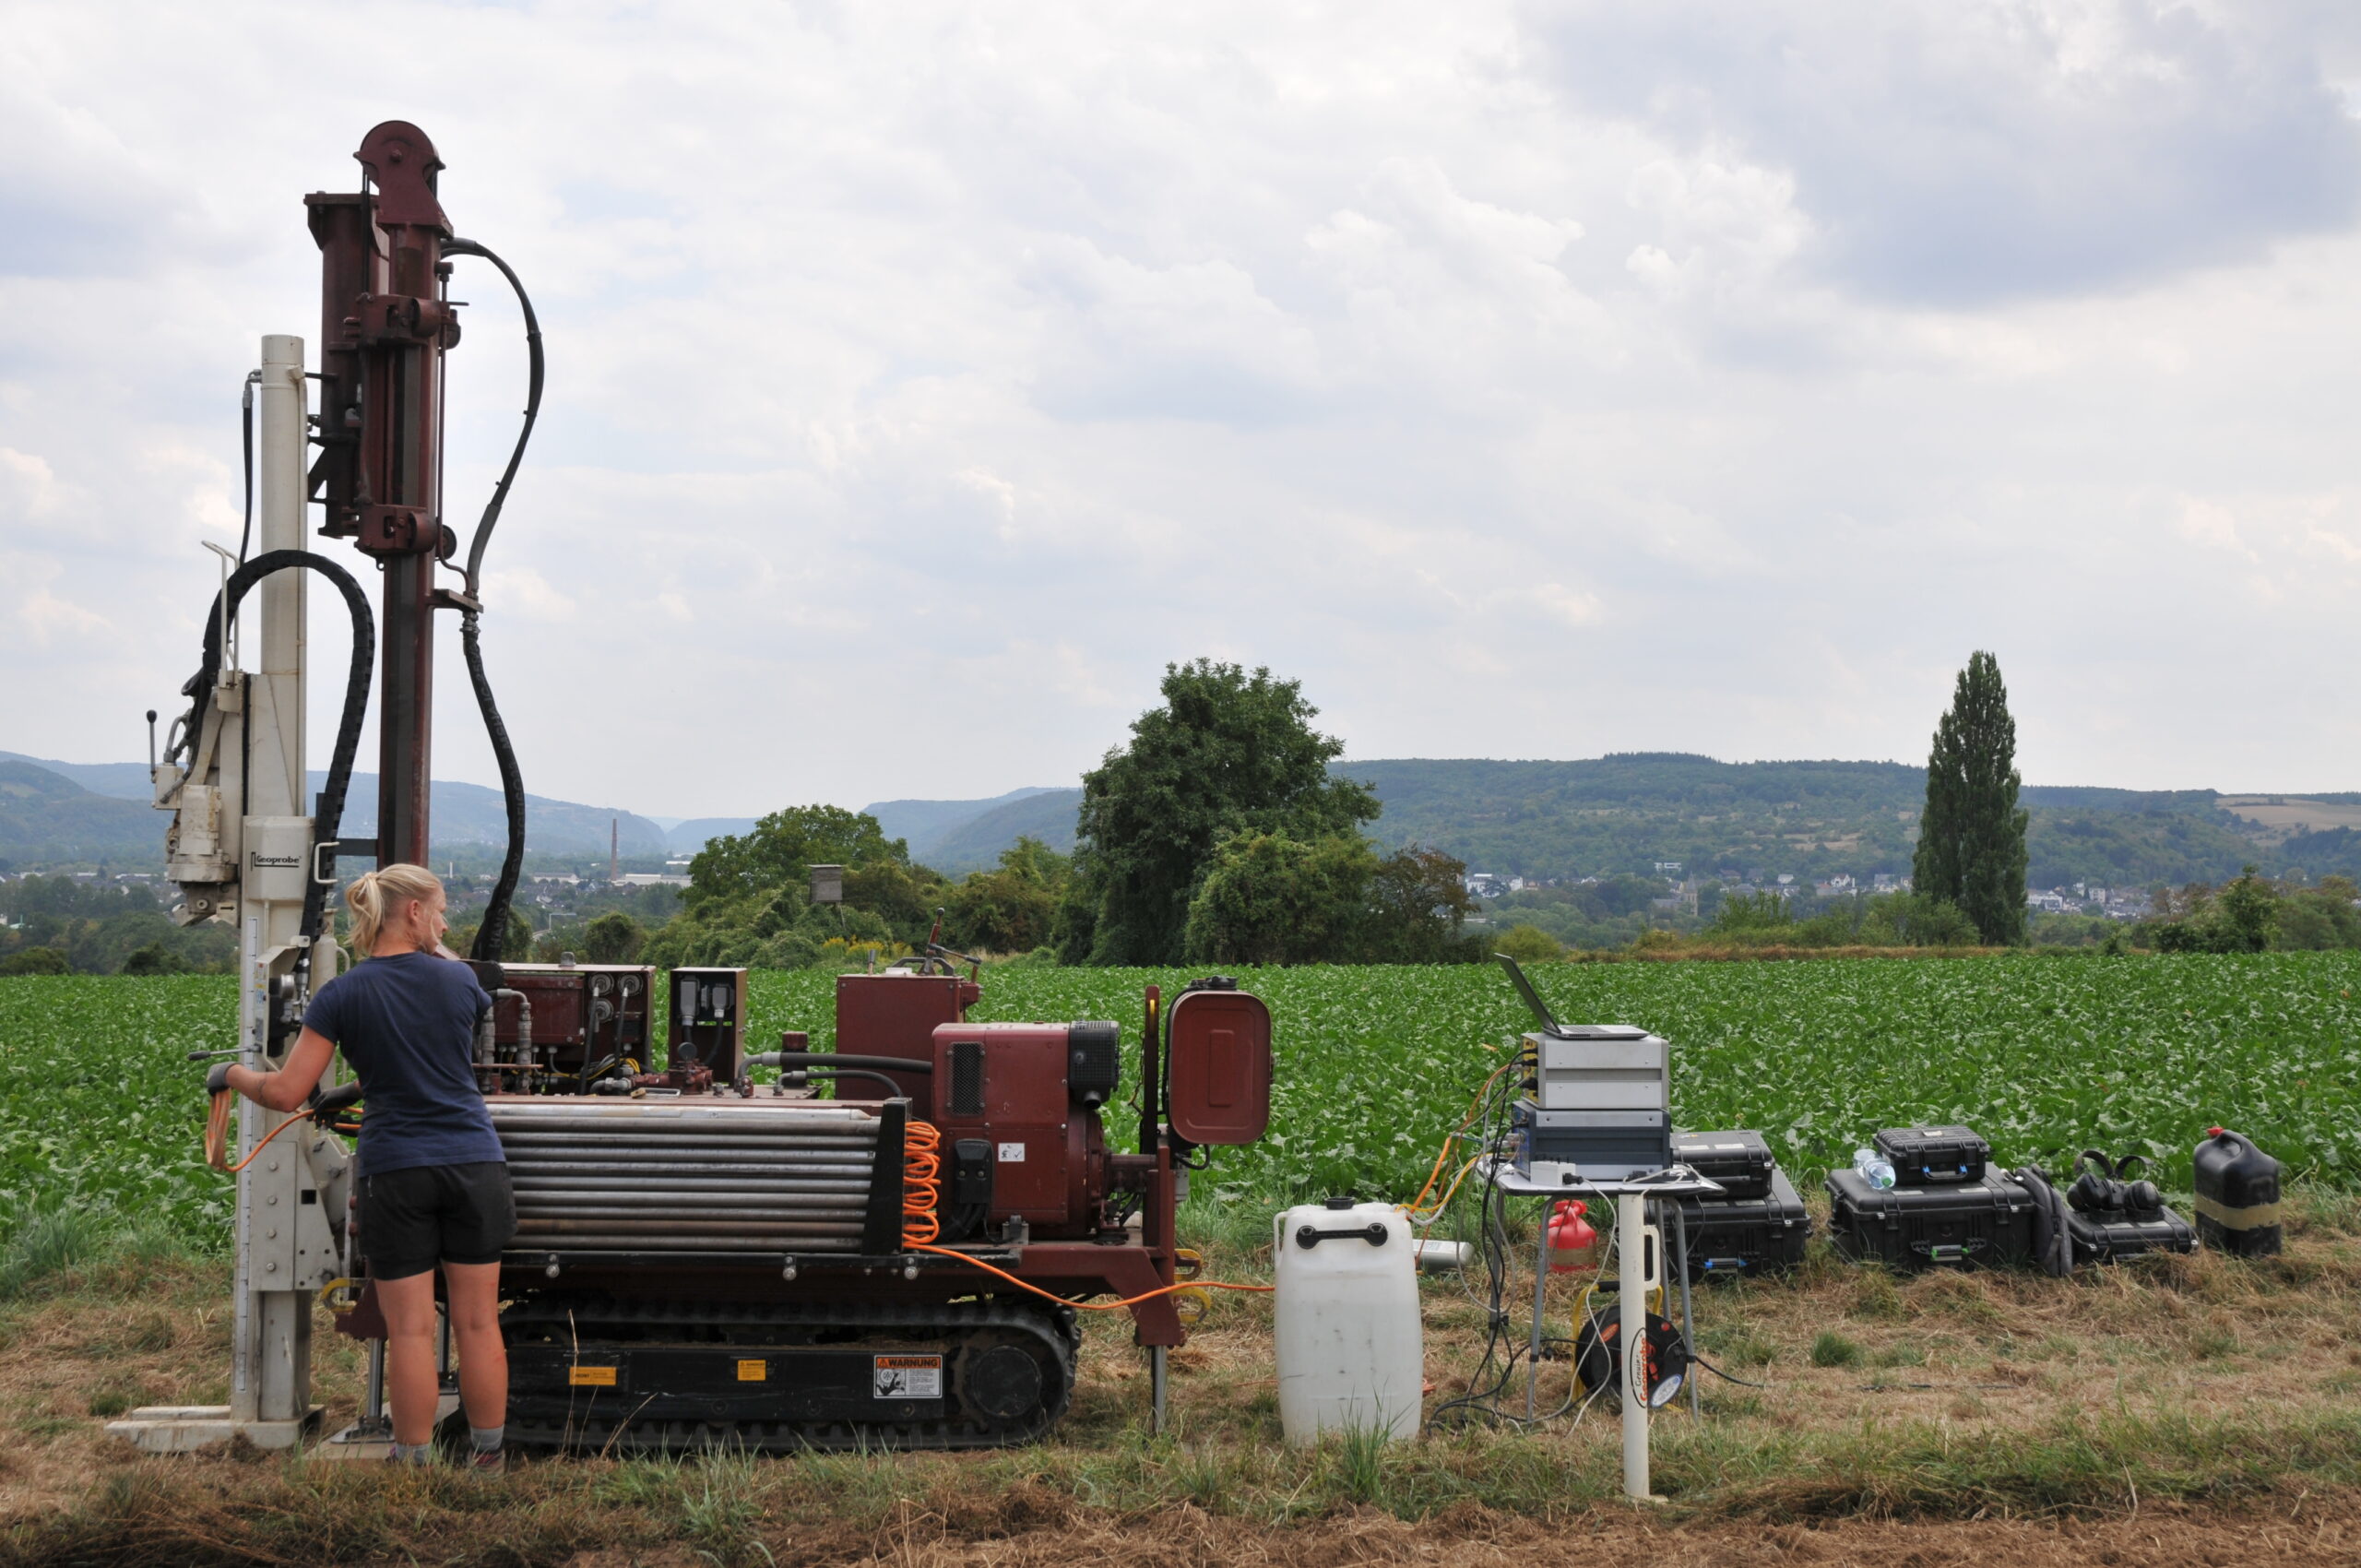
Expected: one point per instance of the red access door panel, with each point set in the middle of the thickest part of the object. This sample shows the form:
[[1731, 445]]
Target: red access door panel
[[1220, 1067], [1006, 1084]]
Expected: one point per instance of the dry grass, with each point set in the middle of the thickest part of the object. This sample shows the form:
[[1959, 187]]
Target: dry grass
[[2196, 1409]]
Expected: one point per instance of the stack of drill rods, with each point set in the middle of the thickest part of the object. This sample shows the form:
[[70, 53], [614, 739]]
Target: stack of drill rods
[[704, 1178]]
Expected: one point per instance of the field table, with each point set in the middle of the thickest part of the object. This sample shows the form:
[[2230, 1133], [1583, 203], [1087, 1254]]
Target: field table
[[1630, 1217]]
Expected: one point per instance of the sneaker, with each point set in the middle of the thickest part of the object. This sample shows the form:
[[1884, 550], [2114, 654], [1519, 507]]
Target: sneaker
[[484, 1466]]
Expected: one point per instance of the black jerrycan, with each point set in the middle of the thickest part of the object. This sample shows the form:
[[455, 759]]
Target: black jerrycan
[[2237, 1195]]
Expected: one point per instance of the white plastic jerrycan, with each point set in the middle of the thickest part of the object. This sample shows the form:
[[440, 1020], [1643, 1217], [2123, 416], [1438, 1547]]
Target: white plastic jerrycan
[[1350, 1351]]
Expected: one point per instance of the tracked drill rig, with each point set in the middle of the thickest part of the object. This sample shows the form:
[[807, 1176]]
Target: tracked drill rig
[[701, 1258]]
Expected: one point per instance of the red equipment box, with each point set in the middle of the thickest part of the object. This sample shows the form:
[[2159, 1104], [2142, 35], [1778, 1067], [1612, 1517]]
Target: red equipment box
[[1008, 1083], [896, 1014]]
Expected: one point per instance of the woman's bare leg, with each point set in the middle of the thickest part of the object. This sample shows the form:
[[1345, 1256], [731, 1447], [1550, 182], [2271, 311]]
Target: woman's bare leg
[[473, 1289], [411, 1384]]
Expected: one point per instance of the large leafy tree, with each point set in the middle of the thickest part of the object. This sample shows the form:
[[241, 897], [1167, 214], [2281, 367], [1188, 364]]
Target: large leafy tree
[[1271, 899], [1009, 910], [1227, 753], [782, 850], [1972, 837]]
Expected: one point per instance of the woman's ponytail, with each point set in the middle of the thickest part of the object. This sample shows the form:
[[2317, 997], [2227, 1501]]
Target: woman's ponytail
[[374, 894]]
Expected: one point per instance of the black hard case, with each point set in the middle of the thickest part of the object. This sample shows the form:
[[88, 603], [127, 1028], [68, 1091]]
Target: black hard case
[[1739, 1160], [1747, 1236], [1984, 1223], [2113, 1239], [1934, 1156]]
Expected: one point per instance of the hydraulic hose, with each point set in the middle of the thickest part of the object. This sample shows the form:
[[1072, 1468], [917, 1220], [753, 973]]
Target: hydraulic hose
[[492, 935], [532, 409], [330, 811]]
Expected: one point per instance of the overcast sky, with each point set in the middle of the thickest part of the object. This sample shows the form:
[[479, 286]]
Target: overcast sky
[[1530, 381]]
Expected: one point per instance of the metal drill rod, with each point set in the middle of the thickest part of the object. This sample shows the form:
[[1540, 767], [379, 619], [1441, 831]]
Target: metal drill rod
[[531, 1138], [586, 1188], [752, 1114], [782, 1170], [792, 1225], [849, 1208]]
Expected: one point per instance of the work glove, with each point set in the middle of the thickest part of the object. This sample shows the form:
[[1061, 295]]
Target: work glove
[[217, 1079]]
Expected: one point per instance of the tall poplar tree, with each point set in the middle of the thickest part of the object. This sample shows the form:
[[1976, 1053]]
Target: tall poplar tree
[[1972, 836]]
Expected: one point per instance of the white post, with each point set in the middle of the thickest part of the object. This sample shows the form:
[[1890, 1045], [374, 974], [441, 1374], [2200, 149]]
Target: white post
[[1631, 1247]]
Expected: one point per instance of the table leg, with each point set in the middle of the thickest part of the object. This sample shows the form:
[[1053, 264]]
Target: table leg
[[1541, 1289], [1687, 1329]]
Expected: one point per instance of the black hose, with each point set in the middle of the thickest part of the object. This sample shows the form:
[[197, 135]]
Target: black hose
[[330, 813], [532, 409], [839, 1059], [492, 937], [246, 440], [841, 1073]]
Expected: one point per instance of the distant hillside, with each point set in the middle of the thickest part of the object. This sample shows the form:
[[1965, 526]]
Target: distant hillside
[[48, 817], [976, 844], [1626, 813], [1602, 817], [45, 819], [688, 837]]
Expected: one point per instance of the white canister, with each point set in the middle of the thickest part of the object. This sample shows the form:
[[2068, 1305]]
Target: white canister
[[1350, 1351]]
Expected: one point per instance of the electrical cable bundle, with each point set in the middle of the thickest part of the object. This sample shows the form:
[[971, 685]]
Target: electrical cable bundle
[[922, 1183], [1505, 1352]]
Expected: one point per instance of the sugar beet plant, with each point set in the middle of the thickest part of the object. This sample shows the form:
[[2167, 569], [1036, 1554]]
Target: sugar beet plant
[[2044, 1056]]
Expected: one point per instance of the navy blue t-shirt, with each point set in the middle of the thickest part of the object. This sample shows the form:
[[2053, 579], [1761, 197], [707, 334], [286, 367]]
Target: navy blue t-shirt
[[407, 1022]]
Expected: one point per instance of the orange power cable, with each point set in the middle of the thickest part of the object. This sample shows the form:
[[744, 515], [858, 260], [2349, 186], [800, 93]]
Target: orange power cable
[[921, 1186], [1474, 1109], [1094, 1306], [217, 1133]]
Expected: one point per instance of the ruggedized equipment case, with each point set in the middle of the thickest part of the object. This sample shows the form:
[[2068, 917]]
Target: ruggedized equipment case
[[1747, 1236], [1934, 1156], [1739, 1160], [1986, 1223]]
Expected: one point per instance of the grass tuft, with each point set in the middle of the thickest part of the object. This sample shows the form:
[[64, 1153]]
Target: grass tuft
[[1829, 1348]]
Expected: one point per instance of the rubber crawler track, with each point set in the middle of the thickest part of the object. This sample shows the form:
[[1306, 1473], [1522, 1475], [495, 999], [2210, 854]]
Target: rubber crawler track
[[591, 1320]]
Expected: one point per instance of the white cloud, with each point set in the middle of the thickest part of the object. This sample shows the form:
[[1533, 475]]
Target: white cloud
[[1527, 379]]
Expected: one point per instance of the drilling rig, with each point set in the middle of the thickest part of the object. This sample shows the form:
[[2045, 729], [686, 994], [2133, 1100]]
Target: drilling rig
[[701, 1258]]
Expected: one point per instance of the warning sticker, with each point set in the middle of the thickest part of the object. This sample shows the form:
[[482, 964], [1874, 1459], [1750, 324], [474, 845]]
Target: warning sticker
[[908, 1377], [590, 1377], [753, 1371], [1011, 1154]]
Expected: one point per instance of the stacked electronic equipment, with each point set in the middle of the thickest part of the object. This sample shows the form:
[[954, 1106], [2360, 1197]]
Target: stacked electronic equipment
[[1598, 1107]]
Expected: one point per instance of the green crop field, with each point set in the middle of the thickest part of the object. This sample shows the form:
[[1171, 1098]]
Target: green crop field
[[2042, 1055]]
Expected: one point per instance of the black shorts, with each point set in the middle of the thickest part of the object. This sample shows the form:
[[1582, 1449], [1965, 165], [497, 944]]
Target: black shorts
[[412, 1219]]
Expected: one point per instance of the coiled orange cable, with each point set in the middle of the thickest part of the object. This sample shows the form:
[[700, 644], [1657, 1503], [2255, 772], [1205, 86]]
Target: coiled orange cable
[[921, 1184]]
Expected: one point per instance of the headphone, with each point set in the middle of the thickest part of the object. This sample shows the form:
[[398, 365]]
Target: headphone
[[2105, 1188]]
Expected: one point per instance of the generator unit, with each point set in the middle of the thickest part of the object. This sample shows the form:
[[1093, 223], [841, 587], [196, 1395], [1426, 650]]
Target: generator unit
[[883, 1247], [1598, 1097]]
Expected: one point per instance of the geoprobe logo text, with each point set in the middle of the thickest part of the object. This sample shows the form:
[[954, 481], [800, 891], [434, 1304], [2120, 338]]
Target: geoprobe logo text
[[258, 860]]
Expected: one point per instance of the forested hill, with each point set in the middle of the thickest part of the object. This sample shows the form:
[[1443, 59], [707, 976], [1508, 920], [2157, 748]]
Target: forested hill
[[1626, 812]]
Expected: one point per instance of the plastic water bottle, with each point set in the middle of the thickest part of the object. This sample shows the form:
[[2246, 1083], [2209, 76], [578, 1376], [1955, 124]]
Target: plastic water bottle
[[1874, 1168]]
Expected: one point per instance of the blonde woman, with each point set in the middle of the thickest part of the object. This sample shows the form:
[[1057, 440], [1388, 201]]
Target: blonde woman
[[434, 1183]]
